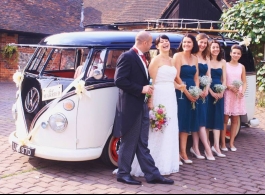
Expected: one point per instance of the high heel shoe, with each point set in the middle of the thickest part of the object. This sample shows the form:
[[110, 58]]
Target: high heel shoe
[[217, 153], [186, 161], [208, 158], [194, 154], [224, 149], [180, 163], [233, 149]]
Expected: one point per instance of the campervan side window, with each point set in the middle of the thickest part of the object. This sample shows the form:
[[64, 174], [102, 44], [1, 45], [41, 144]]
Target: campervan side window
[[61, 60], [35, 65], [111, 62], [97, 62], [105, 61], [57, 61]]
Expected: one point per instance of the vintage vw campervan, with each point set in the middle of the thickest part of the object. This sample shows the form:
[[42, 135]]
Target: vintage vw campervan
[[61, 118]]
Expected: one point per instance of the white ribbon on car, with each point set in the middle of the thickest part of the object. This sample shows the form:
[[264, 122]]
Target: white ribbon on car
[[80, 90], [246, 41], [18, 78]]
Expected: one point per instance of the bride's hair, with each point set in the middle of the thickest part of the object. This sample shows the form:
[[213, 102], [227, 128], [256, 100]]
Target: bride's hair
[[157, 41]]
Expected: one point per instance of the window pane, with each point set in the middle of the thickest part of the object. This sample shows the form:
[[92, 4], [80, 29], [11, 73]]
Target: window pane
[[29, 39]]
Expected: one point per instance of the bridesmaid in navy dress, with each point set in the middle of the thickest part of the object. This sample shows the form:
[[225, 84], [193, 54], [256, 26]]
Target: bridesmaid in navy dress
[[215, 119], [203, 61], [187, 71]]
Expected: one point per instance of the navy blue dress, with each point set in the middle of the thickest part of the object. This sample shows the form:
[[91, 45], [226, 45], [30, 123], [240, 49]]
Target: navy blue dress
[[202, 105], [215, 112], [187, 117]]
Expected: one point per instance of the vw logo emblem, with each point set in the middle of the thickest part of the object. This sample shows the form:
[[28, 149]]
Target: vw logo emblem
[[32, 100]]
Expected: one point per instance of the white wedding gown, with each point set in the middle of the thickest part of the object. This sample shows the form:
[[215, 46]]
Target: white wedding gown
[[164, 147]]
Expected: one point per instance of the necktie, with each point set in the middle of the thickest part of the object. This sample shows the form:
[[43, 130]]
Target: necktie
[[142, 56]]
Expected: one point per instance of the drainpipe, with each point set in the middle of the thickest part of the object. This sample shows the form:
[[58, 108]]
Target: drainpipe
[[82, 15]]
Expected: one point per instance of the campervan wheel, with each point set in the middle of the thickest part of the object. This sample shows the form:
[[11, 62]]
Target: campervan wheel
[[110, 152]]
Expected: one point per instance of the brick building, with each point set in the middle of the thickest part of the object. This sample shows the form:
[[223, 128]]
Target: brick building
[[28, 21]]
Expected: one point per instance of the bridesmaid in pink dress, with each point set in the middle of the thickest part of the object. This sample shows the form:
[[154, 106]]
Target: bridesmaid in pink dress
[[234, 101]]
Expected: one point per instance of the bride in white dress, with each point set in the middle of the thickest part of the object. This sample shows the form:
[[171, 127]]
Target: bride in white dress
[[164, 146]]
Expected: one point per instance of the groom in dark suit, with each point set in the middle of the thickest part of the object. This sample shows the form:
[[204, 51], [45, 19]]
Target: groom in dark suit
[[132, 114]]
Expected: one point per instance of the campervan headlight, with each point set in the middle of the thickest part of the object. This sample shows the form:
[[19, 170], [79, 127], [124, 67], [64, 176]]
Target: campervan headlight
[[58, 122]]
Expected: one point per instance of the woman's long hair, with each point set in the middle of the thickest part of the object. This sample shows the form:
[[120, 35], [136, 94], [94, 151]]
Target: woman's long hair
[[195, 48], [221, 53], [205, 53]]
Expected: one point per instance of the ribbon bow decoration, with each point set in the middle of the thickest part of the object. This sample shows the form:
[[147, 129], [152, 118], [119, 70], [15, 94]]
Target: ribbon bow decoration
[[18, 78], [246, 41], [80, 88]]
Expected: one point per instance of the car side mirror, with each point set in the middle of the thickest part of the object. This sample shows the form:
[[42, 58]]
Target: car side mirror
[[97, 74]]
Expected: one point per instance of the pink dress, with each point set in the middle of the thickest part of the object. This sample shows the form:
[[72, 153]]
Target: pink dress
[[233, 105]]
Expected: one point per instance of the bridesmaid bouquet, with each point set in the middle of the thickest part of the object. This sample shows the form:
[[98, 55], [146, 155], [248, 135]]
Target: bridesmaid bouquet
[[195, 92], [219, 88], [237, 84], [204, 82], [158, 118]]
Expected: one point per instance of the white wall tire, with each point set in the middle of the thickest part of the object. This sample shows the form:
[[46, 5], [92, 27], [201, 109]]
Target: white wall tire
[[110, 152]]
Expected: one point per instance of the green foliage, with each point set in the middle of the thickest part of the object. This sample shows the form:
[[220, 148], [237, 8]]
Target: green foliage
[[261, 78], [248, 17], [9, 53]]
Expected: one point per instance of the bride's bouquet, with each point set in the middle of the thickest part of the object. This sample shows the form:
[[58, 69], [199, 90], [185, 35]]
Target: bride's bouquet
[[219, 88], [158, 118], [195, 92], [204, 82]]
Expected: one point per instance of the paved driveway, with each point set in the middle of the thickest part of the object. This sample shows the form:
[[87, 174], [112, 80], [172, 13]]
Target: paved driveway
[[241, 172]]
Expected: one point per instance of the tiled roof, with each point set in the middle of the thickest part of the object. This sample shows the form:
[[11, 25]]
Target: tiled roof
[[113, 11], [40, 16]]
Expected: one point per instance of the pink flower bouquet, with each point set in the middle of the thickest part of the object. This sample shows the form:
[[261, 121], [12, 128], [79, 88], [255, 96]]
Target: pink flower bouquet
[[158, 118]]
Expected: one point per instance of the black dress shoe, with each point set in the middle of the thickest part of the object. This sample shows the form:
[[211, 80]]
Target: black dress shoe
[[129, 180], [161, 180]]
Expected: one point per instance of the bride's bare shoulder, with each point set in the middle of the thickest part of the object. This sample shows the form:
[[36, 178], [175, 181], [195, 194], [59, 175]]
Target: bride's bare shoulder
[[155, 59]]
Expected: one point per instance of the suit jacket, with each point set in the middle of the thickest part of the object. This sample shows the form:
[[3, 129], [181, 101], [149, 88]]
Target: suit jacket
[[130, 77]]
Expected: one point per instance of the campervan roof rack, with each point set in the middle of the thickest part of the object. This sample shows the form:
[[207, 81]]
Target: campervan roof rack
[[185, 25], [45, 46]]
